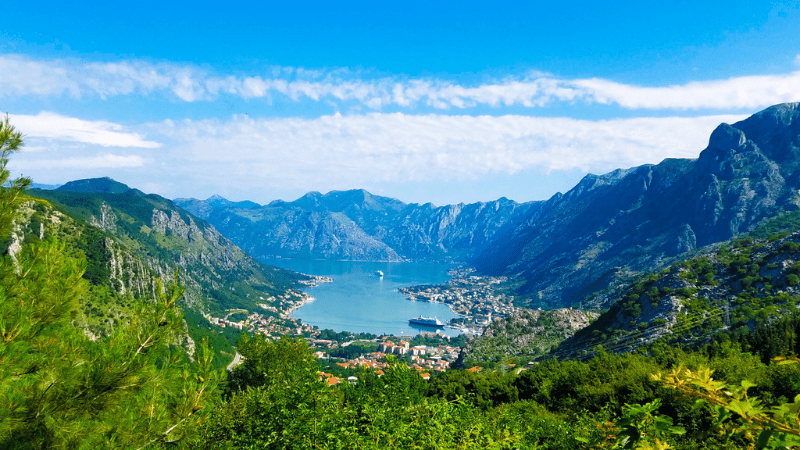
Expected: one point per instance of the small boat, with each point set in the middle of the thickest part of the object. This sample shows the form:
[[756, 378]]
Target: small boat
[[426, 322], [379, 274]]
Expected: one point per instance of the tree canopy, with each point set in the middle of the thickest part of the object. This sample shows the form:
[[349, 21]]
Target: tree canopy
[[61, 387]]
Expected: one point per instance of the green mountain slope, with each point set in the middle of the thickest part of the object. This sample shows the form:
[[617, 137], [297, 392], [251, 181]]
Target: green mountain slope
[[131, 239], [731, 288], [735, 287], [526, 333], [217, 274]]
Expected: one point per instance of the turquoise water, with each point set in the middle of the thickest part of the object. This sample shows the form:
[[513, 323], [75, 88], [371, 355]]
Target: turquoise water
[[359, 301]]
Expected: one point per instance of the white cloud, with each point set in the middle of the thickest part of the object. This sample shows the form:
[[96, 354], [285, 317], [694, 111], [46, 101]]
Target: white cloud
[[23, 76], [263, 156], [333, 152], [102, 161], [741, 92], [53, 126]]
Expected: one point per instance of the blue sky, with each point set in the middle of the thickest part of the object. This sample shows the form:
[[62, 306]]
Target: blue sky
[[450, 102]]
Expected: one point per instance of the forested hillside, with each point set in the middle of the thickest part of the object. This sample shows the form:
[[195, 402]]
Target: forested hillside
[[730, 290], [217, 274], [61, 384], [524, 335], [131, 240]]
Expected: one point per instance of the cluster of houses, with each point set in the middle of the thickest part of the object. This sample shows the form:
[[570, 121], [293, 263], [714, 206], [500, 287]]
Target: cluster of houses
[[331, 380], [424, 359], [390, 348], [225, 323], [474, 298], [268, 325], [440, 355]]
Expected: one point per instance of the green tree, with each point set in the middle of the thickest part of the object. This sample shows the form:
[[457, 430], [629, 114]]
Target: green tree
[[12, 194], [268, 363], [60, 388]]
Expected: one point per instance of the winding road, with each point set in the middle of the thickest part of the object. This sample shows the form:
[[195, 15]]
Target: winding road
[[237, 359]]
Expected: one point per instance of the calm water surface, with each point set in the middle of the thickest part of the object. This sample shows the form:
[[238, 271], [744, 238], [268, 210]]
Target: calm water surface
[[359, 301]]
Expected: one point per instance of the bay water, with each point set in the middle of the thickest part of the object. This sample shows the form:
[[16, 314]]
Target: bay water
[[358, 300]]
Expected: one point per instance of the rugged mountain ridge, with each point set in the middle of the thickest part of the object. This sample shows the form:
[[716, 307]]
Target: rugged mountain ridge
[[357, 225], [150, 233], [593, 239], [612, 227], [729, 289], [525, 332]]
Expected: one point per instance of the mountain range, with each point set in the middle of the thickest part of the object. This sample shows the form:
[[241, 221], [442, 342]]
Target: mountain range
[[591, 240], [589, 247], [131, 239], [610, 228], [357, 225]]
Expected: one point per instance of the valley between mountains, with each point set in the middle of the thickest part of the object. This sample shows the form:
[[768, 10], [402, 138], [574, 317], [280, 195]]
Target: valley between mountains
[[603, 306], [594, 238], [587, 249]]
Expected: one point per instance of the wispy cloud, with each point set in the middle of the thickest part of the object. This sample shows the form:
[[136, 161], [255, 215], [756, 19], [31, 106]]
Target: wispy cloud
[[734, 93], [88, 163], [49, 125], [258, 156], [24, 76], [337, 151]]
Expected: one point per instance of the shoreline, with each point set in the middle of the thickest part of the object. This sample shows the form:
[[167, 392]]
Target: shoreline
[[354, 277], [306, 299], [313, 281], [476, 299]]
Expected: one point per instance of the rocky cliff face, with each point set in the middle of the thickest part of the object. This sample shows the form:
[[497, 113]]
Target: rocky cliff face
[[733, 287], [144, 237], [525, 332], [612, 227], [114, 273], [356, 225]]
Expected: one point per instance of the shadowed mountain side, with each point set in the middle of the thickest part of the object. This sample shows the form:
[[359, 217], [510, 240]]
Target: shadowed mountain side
[[356, 225], [218, 275], [611, 227]]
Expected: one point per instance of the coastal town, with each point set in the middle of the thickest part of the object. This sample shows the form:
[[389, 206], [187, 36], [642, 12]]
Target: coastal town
[[277, 320], [477, 300], [369, 353], [425, 359]]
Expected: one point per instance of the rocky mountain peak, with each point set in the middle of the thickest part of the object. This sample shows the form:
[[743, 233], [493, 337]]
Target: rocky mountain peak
[[218, 199], [310, 201], [103, 185], [611, 226], [726, 137], [776, 130]]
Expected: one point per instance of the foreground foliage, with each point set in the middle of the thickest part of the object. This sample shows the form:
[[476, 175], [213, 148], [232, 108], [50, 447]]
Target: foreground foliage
[[61, 389], [277, 399]]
